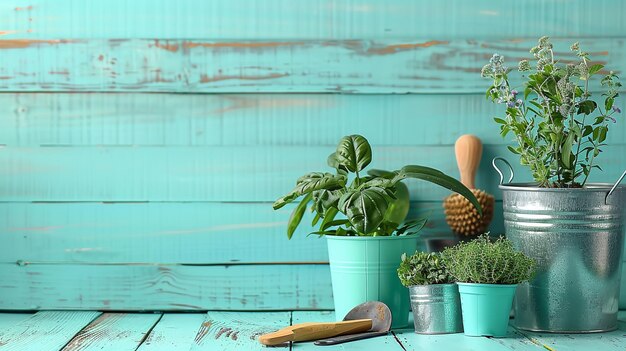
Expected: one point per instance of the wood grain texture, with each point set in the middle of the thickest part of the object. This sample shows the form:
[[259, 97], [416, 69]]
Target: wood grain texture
[[610, 341], [415, 65], [114, 331], [174, 331], [165, 287], [171, 233], [47, 330], [123, 119], [245, 119], [225, 174], [223, 331], [8, 320], [287, 19], [387, 342], [513, 341]]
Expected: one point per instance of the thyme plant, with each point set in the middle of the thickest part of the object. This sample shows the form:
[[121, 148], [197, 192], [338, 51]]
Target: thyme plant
[[423, 268], [488, 262], [365, 199], [558, 128]]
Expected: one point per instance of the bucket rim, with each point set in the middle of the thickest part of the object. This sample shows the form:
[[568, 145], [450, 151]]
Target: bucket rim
[[431, 285], [483, 285], [589, 188], [373, 238]]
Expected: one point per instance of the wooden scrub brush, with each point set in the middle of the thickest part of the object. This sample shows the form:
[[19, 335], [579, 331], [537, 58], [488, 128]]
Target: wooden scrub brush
[[461, 216]]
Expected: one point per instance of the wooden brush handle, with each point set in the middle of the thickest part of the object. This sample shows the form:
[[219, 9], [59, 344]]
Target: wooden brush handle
[[468, 150], [315, 331]]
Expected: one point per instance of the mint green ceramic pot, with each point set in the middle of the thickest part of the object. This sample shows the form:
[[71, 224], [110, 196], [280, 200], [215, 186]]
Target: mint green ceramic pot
[[365, 269], [486, 308]]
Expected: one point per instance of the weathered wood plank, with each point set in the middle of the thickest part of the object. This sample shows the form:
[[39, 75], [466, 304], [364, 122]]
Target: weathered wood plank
[[513, 341], [175, 331], [236, 173], [8, 320], [280, 19], [165, 287], [247, 119], [415, 65], [610, 341], [114, 331], [224, 331], [45, 330], [191, 233], [387, 342]]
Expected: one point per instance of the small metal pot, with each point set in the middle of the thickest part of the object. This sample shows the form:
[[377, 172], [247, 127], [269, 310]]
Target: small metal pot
[[576, 236], [436, 309]]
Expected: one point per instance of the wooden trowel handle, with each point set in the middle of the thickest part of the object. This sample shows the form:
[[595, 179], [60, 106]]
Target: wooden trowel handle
[[468, 150], [315, 331]]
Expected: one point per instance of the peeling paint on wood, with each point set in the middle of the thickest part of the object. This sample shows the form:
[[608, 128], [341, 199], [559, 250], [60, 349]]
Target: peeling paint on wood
[[238, 331], [402, 65], [114, 331], [173, 332], [47, 330]]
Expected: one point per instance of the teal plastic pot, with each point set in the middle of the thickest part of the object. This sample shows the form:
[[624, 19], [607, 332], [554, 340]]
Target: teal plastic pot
[[486, 308], [365, 269]]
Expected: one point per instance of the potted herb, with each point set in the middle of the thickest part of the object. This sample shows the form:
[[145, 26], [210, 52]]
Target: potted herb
[[487, 274], [573, 228], [434, 295], [351, 210]]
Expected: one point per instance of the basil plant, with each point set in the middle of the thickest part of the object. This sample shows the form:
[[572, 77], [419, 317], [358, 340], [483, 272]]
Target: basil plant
[[365, 199]]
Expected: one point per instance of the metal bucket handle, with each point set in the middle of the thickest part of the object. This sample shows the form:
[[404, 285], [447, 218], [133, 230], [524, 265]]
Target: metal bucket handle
[[614, 186], [493, 163]]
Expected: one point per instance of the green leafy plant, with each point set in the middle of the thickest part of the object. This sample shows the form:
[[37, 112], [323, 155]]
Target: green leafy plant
[[488, 262], [423, 268], [558, 128], [365, 201]]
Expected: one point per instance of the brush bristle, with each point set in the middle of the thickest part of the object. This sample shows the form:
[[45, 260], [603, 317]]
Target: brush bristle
[[463, 218]]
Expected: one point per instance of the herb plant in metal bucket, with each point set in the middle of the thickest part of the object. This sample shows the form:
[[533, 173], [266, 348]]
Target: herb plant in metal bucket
[[573, 228], [365, 240], [434, 295], [487, 272]]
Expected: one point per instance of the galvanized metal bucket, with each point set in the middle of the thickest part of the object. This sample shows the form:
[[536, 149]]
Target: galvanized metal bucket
[[436, 309], [577, 237]]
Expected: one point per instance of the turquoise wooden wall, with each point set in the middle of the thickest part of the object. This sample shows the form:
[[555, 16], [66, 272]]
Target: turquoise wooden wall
[[144, 141]]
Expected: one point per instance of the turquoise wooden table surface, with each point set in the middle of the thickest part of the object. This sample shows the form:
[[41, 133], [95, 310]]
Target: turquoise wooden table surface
[[238, 331]]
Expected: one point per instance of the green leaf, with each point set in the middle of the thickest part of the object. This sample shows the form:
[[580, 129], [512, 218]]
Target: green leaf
[[381, 173], [334, 223], [595, 68], [513, 150], [566, 150], [329, 216], [316, 218], [415, 225], [354, 153], [332, 161], [437, 177], [602, 133], [587, 107], [296, 215], [312, 182], [364, 208], [608, 103], [499, 120]]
